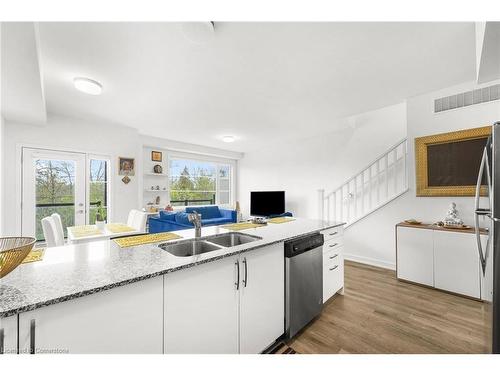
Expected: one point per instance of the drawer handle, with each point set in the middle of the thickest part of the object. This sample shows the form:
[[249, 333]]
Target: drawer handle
[[332, 234], [237, 283], [333, 244], [334, 256], [331, 269]]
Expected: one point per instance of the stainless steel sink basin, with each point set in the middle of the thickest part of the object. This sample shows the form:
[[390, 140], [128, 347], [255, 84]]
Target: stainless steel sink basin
[[232, 239], [189, 248]]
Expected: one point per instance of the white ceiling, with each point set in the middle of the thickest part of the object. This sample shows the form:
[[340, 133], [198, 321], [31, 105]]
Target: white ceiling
[[261, 82]]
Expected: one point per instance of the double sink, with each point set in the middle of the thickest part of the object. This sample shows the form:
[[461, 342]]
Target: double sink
[[202, 245]]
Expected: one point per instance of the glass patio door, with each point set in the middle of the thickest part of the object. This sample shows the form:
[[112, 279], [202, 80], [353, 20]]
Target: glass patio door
[[53, 182]]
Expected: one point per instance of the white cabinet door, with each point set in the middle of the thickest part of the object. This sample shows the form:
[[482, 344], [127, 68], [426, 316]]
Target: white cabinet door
[[262, 300], [8, 335], [201, 308], [415, 259], [456, 263], [333, 272], [126, 319]]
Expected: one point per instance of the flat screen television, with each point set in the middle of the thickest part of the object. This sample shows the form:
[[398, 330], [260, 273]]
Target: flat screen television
[[267, 203]]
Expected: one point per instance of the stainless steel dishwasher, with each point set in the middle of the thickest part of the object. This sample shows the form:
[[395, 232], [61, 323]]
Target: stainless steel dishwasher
[[303, 282]]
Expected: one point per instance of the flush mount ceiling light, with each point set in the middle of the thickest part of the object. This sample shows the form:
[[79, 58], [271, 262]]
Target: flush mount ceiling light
[[87, 85], [228, 138]]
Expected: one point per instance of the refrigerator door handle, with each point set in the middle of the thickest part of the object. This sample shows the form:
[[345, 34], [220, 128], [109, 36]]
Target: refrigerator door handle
[[478, 211]]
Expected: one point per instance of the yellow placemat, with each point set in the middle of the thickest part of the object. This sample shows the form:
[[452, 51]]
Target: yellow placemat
[[280, 220], [119, 228], [34, 255], [84, 230], [145, 239], [242, 226]]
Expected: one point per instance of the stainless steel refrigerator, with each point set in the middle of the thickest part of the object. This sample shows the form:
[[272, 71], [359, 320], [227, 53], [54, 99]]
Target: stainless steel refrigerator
[[487, 214]]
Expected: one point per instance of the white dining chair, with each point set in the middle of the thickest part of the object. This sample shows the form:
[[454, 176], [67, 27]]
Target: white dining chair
[[131, 218], [59, 231], [49, 231], [140, 221]]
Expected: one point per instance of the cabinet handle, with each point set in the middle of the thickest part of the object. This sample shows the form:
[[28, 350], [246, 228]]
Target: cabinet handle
[[334, 256], [245, 280], [32, 336], [333, 244], [237, 283], [2, 335], [331, 269], [332, 234]]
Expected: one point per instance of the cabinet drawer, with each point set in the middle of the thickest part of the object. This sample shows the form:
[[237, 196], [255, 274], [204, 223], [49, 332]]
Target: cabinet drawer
[[332, 233], [333, 277], [332, 257], [333, 245]]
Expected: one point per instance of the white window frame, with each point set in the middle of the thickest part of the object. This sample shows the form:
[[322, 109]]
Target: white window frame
[[109, 207], [215, 160], [88, 154]]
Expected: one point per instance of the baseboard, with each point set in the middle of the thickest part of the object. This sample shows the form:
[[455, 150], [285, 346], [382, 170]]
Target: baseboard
[[370, 261]]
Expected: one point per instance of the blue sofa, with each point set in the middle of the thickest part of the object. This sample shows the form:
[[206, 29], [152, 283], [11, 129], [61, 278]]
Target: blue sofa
[[210, 215]]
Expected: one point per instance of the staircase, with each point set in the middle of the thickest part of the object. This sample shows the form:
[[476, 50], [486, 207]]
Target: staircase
[[379, 183]]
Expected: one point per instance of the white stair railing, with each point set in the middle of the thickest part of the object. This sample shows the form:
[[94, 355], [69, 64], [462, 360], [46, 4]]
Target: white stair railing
[[380, 182]]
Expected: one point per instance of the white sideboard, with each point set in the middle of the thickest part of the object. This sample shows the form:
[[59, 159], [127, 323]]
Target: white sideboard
[[441, 258], [333, 262]]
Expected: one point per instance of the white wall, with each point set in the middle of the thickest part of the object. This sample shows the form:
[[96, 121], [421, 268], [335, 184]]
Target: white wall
[[75, 135], [372, 239], [1, 173], [325, 161]]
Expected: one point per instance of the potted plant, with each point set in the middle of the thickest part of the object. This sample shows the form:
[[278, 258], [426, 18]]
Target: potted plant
[[100, 217]]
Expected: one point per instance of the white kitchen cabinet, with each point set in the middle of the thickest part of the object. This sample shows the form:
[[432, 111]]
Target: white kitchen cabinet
[[333, 262], [262, 298], [126, 319], [333, 273], [456, 263], [415, 255], [8, 335], [232, 305], [201, 308]]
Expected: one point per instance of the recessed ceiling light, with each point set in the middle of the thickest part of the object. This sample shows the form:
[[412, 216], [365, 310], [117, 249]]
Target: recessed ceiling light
[[87, 85], [228, 138]]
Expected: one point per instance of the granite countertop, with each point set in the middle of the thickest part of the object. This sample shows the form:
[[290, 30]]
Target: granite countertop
[[73, 271]]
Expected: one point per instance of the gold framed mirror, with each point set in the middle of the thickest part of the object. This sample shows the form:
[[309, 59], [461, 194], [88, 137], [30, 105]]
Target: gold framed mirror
[[447, 164]]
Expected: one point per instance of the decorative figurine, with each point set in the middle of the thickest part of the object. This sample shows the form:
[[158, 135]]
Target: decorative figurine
[[452, 216], [157, 200], [157, 187]]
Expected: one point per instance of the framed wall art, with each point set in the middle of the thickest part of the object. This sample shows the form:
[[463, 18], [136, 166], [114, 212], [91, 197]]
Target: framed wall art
[[156, 156], [448, 164]]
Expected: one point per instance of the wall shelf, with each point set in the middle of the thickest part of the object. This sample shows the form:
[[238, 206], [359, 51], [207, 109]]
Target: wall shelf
[[156, 174], [158, 191]]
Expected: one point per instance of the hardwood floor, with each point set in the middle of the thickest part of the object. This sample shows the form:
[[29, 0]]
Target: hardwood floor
[[379, 314]]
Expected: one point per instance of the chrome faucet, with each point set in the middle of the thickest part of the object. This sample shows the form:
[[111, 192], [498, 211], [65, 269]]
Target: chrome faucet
[[195, 218]]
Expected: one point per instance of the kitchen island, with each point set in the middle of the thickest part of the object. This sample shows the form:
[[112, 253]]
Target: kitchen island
[[98, 297]]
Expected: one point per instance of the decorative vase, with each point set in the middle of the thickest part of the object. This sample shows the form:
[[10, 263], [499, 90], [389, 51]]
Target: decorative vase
[[100, 224]]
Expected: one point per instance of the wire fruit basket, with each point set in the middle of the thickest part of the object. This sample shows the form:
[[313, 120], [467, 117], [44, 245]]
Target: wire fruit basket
[[13, 250]]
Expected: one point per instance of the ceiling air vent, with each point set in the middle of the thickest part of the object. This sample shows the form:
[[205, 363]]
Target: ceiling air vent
[[464, 99]]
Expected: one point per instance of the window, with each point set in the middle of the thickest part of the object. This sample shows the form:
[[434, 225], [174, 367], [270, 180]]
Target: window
[[54, 191], [98, 188], [199, 182], [71, 184]]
